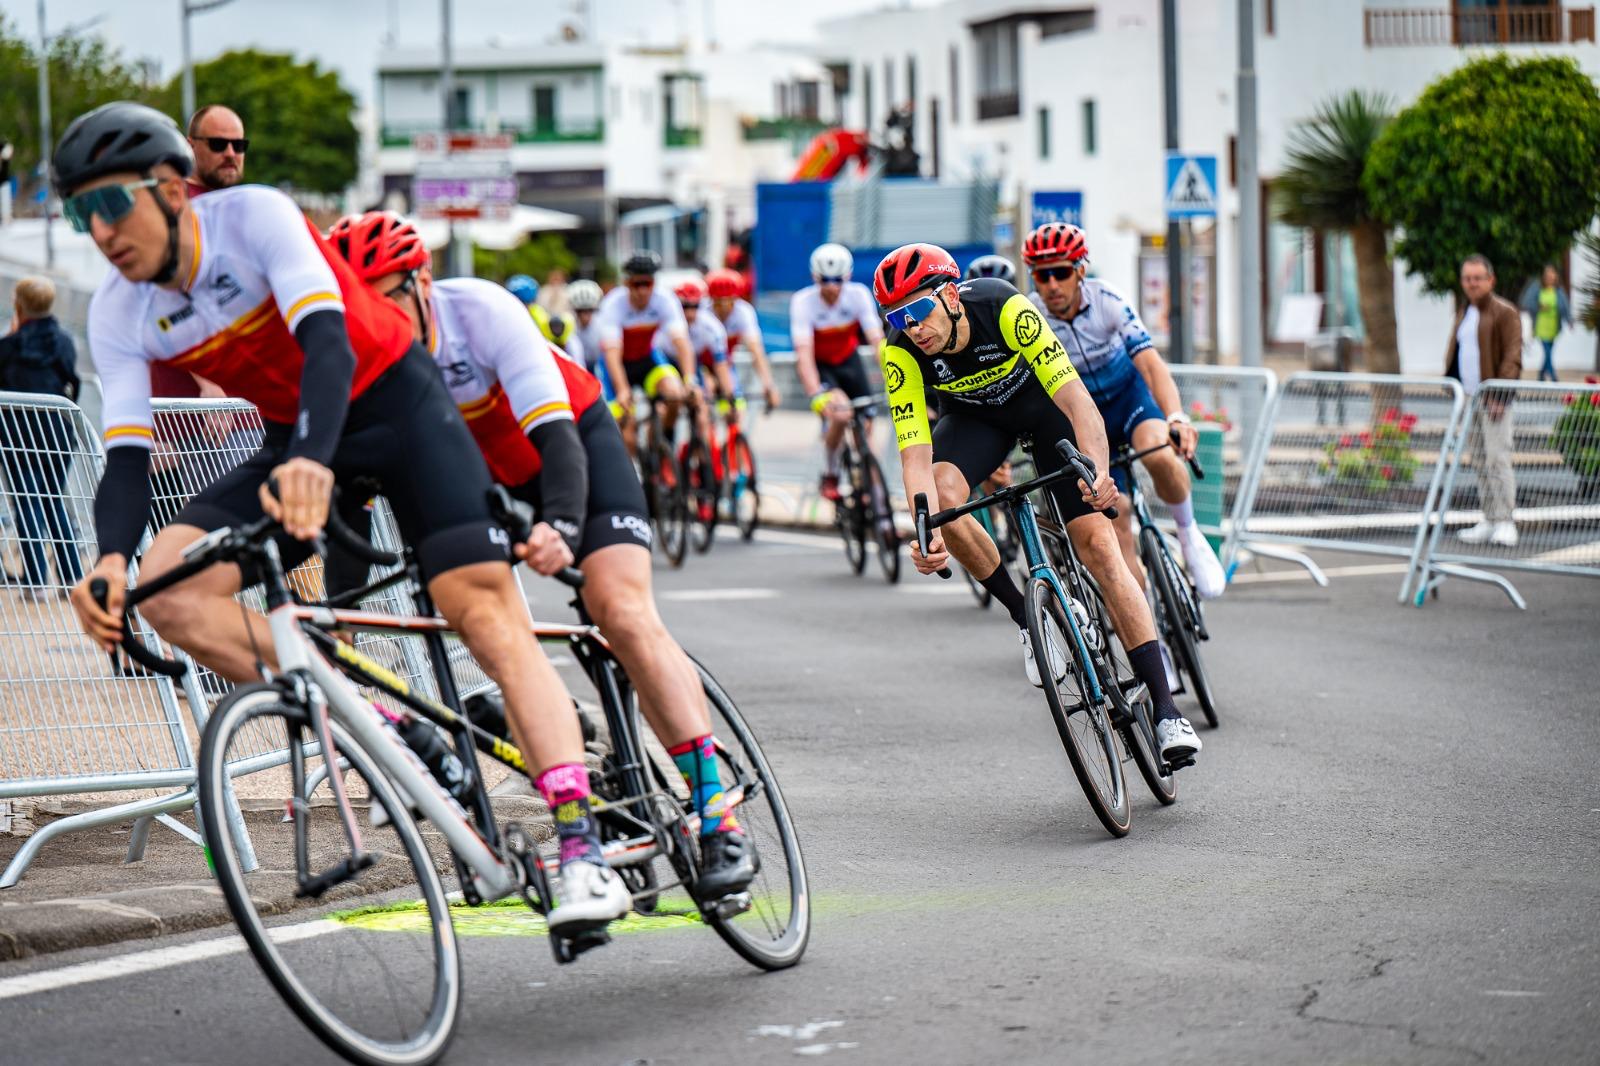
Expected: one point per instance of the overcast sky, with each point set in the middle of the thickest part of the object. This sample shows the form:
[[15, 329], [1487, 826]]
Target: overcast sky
[[347, 34]]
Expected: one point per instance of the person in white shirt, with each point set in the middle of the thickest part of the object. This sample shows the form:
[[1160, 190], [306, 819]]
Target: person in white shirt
[[738, 317], [1487, 344]]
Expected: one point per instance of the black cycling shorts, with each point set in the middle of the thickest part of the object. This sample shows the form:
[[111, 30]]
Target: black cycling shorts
[[978, 439], [849, 377], [616, 507], [403, 438]]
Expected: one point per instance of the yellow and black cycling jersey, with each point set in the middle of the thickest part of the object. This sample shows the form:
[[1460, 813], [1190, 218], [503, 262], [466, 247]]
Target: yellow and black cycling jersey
[[1011, 348], [557, 329]]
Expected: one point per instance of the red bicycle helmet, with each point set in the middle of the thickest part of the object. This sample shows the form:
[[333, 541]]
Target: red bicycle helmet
[[909, 269], [1053, 242], [725, 284], [690, 291], [378, 243]]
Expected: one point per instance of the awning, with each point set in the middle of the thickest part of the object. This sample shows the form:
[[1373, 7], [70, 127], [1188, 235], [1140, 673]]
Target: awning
[[650, 216], [500, 236]]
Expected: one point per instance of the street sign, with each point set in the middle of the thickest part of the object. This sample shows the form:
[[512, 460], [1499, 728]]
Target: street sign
[[1057, 206], [1191, 186], [463, 176]]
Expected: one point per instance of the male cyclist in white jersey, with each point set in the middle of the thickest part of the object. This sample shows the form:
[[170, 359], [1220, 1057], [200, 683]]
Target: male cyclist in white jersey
[[829, 321], [628, 319], [738, 317], [1130, 383], [584, 296]]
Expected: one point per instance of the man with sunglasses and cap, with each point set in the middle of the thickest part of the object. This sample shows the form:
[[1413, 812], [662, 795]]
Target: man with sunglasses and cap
[[628, 321], [1002, 374], [237, 286], [216, 134], [1130, 383]]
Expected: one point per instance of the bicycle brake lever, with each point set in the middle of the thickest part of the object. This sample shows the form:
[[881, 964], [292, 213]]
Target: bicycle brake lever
[[921, 502]]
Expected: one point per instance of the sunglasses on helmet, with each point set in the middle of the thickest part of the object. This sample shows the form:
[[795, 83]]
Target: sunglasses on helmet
[[111, 202], [220, 144], [1059, 273], [913, 312]]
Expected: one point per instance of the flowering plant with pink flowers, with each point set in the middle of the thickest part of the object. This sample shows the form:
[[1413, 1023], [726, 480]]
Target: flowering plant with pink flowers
[[1577, 433], [1376, 459]]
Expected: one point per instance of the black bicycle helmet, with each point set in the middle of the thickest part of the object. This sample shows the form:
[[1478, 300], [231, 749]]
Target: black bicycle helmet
[[115, 138], [642, 263], [992, 266]]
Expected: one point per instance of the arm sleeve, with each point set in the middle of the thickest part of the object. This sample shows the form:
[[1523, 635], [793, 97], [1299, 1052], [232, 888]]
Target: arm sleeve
[[325, 377], [799, 326], [563, 478], [124, 373], [122, 502], [1510, 346], [719, 338], [672, 319], [608, 320], [506, 340], [902, 380], [1135, 338], [1025, 331]]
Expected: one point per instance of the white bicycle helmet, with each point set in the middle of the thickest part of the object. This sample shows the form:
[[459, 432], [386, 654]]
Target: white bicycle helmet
[[584, 295], [831, 261]]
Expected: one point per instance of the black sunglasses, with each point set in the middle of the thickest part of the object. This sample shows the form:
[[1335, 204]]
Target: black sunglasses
[[1044, 274], [219, 144], [405, 288]]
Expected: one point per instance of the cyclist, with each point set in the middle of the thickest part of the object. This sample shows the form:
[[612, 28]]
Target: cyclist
[[829, 321], [1002, 374], [584, 295], [992, 266], [628, 321], [537, 419], [738, 317], [557, 329], [1130, 384], [713, 365], [238, 287]]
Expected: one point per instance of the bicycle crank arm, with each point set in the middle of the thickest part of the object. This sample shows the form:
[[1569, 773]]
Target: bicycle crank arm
[[314, 887], [732, 906]]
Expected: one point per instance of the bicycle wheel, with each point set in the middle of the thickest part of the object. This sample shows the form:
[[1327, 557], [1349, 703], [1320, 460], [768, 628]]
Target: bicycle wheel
[[1177, 622], [744, 497], [700, 493], [1085, 731], [884, 535], [372, 969], [847, 514], [672, 506], [1137, 717]]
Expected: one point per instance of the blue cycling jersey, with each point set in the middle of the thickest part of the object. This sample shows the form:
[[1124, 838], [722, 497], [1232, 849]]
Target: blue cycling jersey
[[1102, 339]]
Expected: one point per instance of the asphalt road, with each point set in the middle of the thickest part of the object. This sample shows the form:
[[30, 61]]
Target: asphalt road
[[1386, 854]]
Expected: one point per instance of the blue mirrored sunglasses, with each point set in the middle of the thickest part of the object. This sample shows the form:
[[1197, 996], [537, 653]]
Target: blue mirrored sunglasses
[[830, 280], [915, 311], [111, 202]]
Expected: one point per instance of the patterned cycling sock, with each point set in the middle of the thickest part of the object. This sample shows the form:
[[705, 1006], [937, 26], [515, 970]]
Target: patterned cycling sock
[[697, 761], [1004, 589], [1146, 662], [565, 787], [1183, 513]]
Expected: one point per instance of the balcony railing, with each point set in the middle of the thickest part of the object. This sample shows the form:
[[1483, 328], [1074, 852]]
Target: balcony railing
[[400, 136], [1503, 24], [999, 105], [682, 136], [777, 129]]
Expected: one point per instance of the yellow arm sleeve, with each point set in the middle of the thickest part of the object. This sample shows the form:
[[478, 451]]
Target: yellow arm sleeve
[[1025, 331], [902, 380]]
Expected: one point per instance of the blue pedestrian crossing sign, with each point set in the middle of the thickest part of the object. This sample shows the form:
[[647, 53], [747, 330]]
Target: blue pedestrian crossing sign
[[1191, 186]]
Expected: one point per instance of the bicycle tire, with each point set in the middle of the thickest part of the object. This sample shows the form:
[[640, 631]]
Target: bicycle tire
[[1180, 633], [233, 717], [672, 506], [1138, 727], [701, 493], [884, 536], [1090, 740], [744, 494], [847, 512]]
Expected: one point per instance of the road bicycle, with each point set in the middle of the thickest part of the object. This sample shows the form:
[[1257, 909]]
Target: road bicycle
[[1099, 707], [665, 492], [863, 512], [700, 482], [739, 472], [1180, 619], [334, 887]]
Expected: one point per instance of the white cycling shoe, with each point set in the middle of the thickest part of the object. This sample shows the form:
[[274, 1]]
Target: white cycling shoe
[[1058, 659], [587, 897], [1177, 740], [1201, 562]]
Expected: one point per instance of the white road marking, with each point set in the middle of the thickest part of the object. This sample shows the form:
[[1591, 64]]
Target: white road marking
[[1517, 992], [1367, 570], [804, 540], [951, 587], [797, 1032], [118, 966], [713, 595]]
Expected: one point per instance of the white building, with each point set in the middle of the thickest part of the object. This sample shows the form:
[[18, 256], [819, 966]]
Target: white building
[[1068, 97]]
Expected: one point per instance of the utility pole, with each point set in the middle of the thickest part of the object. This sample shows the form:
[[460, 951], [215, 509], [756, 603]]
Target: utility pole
[[1177, 276], [45, 138], [459, 257], [186, 9], [1250, 339]]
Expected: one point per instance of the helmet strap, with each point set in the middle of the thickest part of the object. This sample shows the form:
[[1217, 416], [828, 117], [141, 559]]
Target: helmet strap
[[955, 327], [169, 266]]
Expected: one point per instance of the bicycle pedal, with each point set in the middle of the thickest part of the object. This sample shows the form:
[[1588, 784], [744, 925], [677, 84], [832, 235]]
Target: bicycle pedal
[[1178, 764], [732, 906], [567, 949]]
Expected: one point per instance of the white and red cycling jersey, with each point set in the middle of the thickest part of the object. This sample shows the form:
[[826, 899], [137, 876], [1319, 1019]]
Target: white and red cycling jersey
[[588, 343], [502, 373], [259, 268], [617, 319], [707, 339], [835, 330], [741, 322]]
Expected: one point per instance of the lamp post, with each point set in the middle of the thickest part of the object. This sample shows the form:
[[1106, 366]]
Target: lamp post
[[191, 7], [1250, 339], [45, 135]]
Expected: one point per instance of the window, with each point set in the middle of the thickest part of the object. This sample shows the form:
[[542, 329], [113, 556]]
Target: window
[[955, 84], [1503, 21], [997, 69], [1068, 22], [889, 102], [460, 116], [807, 101], [1044, 133], [544, 109], [866, 97], [911, 80], [1090, 133]]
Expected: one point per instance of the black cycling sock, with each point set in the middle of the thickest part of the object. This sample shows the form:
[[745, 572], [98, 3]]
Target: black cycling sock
[[1002, 588], [1146, 662]]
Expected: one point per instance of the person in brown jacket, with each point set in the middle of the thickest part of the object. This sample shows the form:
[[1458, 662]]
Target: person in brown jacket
[[1487, 343]]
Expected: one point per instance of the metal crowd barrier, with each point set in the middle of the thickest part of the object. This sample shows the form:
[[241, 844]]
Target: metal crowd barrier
[[69, 723], [1529, 452], [1348, 462]]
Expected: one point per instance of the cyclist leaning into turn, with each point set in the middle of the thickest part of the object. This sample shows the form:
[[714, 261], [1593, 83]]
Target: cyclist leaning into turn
[[1002, 374], [1131, 386], [829, 321], [238, 287], [538, 419]]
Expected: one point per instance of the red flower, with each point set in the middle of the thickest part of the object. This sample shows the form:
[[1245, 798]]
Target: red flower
[[1594, 399], [1590, 379], [1387, 472], [1390, 415], [1197, 406], [1346, 440], [1407, 422], [1569, 399], [1366, 440]]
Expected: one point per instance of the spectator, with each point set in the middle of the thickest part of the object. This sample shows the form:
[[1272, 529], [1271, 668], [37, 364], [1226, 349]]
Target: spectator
[[1546, 302], [1487, 343], [37, 444], [217, 136], [553, 294]]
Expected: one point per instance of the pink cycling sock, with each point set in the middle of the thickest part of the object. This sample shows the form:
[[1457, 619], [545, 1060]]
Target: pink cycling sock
[[565, 787]]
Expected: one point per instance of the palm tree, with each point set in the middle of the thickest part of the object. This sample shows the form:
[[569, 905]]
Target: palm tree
[[1320, 188]]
